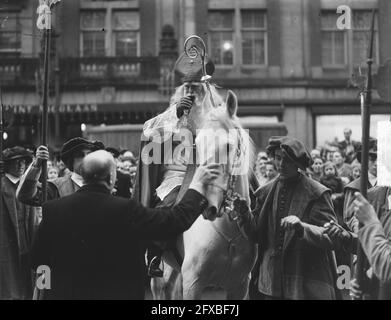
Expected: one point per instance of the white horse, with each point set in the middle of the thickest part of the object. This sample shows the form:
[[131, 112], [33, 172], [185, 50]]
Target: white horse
[[215, 253]]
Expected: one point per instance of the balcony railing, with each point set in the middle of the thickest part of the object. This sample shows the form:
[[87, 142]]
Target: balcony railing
[[18, 71], [110, 70], [80, 71]]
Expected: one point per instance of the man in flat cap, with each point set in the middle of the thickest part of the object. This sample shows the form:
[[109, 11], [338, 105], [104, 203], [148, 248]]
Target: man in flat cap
[[162, 182], [296, 258], [17, 223], [72, 154]]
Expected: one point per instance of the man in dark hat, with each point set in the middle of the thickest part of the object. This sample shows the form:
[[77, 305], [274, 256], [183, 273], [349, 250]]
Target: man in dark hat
[[17, 223], [72, 154], [162, 184], [296, 257]]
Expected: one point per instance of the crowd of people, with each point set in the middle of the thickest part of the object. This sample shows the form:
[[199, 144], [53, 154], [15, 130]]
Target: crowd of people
[[103, 209]]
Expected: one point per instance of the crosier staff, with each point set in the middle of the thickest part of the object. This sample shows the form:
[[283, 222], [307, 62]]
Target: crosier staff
[[192, 51], [44, 22], [366, 103]]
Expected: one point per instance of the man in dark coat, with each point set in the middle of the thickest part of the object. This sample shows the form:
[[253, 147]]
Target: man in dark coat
[[17, 222], [296, 258], [375, 236], [72, 154], [92, 240]]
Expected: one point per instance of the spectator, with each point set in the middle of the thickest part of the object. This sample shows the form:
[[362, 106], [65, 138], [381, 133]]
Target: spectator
[[315, 171], [356, 171], [348, 146], [344, 169], [260, 168], [73, 151], [63, 170], [16, 227], [330, 178], [53, 173], [271, 170], [315, 153]]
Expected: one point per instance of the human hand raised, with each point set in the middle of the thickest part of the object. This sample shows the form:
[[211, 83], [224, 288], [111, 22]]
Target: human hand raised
[[41, 154], [363, 210], [184, 104]]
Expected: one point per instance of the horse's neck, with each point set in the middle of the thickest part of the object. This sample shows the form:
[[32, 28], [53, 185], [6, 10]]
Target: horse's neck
[[226, 227]]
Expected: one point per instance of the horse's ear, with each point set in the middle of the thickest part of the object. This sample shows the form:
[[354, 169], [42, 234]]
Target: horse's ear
[[232, 103]]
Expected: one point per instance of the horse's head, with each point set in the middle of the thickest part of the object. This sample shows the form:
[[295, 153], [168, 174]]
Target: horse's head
[[222, 140]]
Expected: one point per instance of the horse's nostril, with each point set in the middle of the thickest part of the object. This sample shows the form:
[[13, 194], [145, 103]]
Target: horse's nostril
[[211, 213]]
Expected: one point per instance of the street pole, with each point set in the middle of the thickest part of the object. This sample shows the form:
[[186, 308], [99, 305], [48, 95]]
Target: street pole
[[366, 104], [1, 149]]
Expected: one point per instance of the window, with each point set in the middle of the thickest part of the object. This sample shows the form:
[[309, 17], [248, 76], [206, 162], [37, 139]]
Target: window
[[334, 50], [10, 32], [361, 36], [347, 47], [109, 33], [125, 32], [93, 33], [249, 26], [221, 26], [253, 37]]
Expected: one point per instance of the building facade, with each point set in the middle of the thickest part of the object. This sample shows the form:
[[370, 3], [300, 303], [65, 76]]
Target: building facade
[[111, 60]]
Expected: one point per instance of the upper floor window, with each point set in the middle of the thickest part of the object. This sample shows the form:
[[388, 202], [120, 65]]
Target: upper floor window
[[10, 33], [254, 37], [361, 36], [347, 47], [221, 26], [238, 37], [109, 33], [93, 33], [125, 33]]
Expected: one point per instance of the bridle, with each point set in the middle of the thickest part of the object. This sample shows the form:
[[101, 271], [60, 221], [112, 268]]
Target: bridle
[[229, 195]]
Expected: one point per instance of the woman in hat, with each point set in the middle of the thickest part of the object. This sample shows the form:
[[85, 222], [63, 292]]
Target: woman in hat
[[17, 223]]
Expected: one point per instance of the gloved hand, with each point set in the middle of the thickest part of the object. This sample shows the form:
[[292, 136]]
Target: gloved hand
[[240, 206], [184, 103]]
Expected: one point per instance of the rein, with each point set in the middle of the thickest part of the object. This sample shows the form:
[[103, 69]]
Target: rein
[[229, 197]]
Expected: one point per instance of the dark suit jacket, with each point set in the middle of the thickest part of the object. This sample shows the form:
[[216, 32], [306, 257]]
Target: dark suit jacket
[[92, 241], [123, 185]]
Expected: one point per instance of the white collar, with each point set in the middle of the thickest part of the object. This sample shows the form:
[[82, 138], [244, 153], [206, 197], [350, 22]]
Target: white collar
[[76, 178], [372, 179], [12, 178]]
